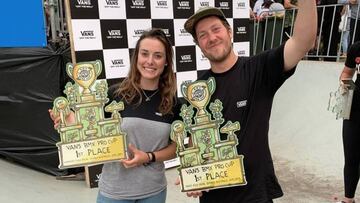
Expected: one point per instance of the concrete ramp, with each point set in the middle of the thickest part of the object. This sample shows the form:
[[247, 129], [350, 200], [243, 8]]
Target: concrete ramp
[[305, 138]]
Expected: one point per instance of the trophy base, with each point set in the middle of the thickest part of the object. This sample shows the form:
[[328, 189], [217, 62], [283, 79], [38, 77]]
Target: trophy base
[[92, 151], [219, 174]]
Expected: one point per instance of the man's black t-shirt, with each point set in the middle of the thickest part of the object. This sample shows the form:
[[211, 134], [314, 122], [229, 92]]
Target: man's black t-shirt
[[247, 92], [352, 60]]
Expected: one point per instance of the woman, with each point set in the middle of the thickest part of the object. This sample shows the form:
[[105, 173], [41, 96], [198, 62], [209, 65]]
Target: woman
[[351, 127], [149, 96]]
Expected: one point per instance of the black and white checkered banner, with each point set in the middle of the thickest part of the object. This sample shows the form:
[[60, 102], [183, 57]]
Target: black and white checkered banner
[[108, 30]]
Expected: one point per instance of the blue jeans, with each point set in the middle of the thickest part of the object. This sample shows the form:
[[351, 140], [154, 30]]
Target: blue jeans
[[158, 198], [345, 41]]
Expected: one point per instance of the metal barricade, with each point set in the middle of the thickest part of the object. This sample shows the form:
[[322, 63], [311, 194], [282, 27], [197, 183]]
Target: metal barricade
[[56, 20], [267, 33], [272, 30]]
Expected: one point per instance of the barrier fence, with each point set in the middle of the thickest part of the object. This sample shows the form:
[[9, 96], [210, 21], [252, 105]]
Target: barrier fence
[[333, 35], [276, 28]]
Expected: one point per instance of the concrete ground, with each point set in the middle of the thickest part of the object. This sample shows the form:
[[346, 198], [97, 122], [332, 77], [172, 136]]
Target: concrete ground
[[305, 140]]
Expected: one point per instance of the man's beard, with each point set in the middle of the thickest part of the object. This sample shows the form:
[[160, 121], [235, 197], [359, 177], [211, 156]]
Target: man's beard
[[218, 58]]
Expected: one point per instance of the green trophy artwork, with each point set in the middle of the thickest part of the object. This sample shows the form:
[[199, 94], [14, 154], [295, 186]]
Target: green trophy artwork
[[92, 138], [207, 162]]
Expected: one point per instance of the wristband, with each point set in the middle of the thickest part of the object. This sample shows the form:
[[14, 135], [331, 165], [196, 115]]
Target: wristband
[[149, 159], [153, 158]]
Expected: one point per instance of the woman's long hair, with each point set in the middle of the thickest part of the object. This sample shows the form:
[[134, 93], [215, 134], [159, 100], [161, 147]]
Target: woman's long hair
[[130, 90]]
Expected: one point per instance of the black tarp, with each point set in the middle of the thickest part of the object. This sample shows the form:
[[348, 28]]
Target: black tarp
[[30, 79]]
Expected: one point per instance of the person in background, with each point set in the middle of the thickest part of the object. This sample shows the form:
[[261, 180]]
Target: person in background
[[290, 15], [351, 127], [344, 28], [252, 14], [252, 3], [289, 4], [47, 18], [355, 19], [268, 8], [262, 11], [149, 96], [246, 87], [258, 7], [330, 35]]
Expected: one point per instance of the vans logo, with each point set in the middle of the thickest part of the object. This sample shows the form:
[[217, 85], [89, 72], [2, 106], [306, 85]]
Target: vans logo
[[183, 31], [161, 3], [98, 176], [240, 104], [241, 29], [224, 4], [184, 3], [114, 32], [138, 2], [139, 32], [86, 33], [186, 57], [203, 58], [84, 2], [112, 2], [204, 4], [241, 53], [117, 62], [241, 5], [166, 31]]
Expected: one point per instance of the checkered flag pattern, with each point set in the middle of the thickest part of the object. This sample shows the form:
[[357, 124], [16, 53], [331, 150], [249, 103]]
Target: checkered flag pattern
[[108, 30]]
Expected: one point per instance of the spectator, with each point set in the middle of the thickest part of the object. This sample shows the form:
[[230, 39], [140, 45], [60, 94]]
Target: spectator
[[329, 34], [344, 28], [258, 7], [290, 13], [355, 19], [268, 8]]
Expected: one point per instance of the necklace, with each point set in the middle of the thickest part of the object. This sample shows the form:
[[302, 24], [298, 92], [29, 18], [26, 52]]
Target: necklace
[[148, 98]]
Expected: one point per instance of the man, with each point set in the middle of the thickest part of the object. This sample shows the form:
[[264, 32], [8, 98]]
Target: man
[[246, 87]]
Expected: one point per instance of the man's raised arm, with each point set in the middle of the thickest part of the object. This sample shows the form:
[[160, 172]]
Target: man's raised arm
[[304, 35]]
